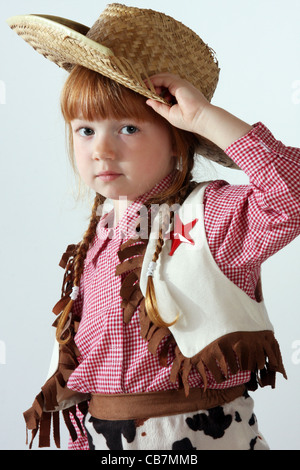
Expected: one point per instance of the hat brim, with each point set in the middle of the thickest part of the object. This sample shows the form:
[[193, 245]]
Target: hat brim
[[64, 42]]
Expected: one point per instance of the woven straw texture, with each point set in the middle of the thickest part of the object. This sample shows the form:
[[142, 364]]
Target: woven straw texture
[[128, 45]]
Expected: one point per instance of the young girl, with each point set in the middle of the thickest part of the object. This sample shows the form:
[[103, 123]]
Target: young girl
[[161, 326]]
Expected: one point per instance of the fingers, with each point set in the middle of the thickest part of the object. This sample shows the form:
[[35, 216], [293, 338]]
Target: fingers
[[166, 80], [189, 101], [160, 108], [165, 85]]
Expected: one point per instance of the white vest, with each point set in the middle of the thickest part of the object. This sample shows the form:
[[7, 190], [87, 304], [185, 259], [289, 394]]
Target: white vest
[[191, 284]]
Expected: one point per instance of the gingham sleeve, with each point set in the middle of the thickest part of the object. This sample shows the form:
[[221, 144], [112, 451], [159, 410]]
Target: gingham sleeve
[[246, 224]]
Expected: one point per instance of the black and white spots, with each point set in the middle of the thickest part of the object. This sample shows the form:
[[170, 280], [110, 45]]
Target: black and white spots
[[232, 426]]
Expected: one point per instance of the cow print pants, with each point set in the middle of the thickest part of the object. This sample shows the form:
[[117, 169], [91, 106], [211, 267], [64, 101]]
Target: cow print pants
[[232, 426]]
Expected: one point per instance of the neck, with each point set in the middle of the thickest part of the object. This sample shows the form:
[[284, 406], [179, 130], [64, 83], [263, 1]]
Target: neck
[[120, 207], [122, 203]]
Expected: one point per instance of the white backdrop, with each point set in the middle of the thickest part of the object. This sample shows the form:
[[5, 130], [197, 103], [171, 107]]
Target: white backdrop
[[258, 46]]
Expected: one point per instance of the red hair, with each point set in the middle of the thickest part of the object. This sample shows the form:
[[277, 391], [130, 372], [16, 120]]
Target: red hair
[[94, 96]]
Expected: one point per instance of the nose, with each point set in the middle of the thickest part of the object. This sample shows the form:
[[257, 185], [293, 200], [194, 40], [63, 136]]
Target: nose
[[104, 148]]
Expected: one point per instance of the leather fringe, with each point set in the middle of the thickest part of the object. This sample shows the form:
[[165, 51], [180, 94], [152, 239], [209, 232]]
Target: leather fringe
[[40, 422], [54, 397], [66, 263], [257, 352]]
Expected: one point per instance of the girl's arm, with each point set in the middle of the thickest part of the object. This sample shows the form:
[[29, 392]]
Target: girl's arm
[[245, 224]]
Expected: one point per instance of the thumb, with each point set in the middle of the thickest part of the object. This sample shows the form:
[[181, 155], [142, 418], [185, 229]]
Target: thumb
[[160, 108]]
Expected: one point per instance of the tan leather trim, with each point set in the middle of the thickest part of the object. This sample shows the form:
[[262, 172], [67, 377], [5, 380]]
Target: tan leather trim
[[156, 404]]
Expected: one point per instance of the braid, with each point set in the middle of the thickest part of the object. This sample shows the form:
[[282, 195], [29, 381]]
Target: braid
[[78, 268], [178, 198], [87, 240]]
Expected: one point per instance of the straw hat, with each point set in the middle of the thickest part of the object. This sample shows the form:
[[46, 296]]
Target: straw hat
[[128, 45]]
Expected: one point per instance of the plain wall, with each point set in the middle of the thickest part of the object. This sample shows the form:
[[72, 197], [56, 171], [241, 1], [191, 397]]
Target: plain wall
[[258, 47]]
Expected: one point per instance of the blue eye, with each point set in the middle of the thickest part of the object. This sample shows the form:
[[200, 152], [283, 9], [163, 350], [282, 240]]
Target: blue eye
[[129, 130], [86, 132]]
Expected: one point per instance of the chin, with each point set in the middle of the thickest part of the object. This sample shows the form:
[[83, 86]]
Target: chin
[[115, 196]]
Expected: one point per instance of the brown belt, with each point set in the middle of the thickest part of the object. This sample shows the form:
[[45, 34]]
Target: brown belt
[[154, 404]]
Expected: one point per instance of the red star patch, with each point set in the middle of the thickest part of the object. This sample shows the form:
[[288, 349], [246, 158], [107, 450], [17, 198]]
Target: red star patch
[[181, 233]]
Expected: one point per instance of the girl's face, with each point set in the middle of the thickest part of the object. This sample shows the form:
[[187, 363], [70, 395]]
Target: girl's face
[[122, 157]]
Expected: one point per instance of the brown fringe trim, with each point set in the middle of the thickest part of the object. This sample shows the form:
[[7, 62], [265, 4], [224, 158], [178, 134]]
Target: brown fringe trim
[[55, 395], [39, 421], [131, 255], [257, 352], [66, 263]]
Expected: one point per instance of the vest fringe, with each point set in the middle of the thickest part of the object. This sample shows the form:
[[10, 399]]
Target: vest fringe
[[257, 352], [40, 422], [55, 396]]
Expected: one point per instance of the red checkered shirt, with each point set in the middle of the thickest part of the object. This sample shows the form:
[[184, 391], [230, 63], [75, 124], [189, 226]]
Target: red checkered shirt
[[245, 224]]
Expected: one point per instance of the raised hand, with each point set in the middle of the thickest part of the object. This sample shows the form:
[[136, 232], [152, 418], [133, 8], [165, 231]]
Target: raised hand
[[191, 111], [187, 102]]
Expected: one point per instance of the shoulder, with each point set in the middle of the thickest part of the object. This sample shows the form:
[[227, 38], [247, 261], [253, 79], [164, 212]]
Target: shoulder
[[218, 195], [226, 210], [221, 189]]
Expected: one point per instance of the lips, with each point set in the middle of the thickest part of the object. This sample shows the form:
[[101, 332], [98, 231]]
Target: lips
[[108, 175]]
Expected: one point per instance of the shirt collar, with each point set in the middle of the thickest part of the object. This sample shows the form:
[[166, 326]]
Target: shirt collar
[[126, 227], [127, 224]]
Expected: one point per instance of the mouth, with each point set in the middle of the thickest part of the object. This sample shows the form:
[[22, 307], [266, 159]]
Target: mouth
[[108, 175]]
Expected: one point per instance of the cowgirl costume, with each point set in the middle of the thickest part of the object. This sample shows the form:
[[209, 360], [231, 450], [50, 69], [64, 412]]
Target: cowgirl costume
[[122, 382]]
